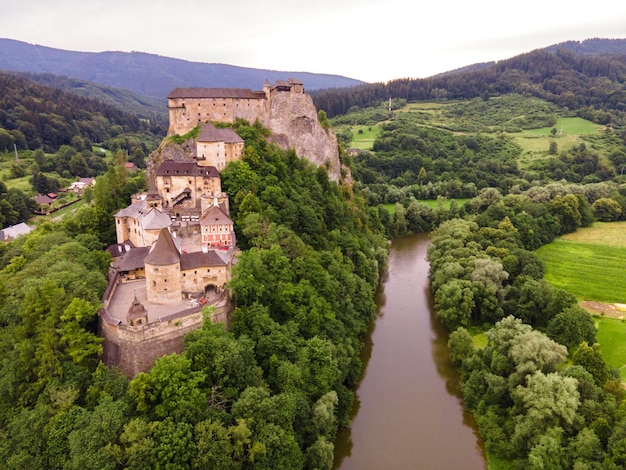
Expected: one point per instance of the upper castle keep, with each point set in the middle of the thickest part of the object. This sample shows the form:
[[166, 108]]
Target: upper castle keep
[[188, 106]]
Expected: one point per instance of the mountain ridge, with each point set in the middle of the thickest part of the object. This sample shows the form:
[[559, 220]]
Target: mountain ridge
[[148, 74]]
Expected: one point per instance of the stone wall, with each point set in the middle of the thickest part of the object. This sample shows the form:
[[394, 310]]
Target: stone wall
[[186, 112], [163, 284], [134, 349]]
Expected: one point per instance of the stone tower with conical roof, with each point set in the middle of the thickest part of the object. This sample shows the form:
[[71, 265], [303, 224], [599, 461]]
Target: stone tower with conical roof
[[162, 265]]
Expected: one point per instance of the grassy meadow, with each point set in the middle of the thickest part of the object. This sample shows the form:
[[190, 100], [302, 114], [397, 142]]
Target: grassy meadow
[[432, 203], [364, 136], [590, 271], [611, 334], [590, 264]]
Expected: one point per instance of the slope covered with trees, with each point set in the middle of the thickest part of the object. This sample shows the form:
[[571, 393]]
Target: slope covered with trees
[[540, 390], [591, 85], [269, 393], [33, 116]]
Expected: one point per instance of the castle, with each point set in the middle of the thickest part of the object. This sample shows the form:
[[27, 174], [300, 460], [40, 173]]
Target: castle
[[176, 243], [188, 106]]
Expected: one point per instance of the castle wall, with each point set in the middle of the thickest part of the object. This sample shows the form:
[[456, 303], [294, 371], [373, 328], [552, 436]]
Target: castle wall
[[185, 113], [233, 152], [122, 229], [129, 228], [217, 234], [212, 154], [195, 280], [169, 187], [134, 349]]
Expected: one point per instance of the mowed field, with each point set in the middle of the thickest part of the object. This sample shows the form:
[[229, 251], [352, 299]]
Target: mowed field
[[590, 271], [590, 263], [611, 334]]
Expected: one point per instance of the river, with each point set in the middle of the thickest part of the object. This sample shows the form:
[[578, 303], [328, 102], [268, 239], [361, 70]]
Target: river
[[408, 413]]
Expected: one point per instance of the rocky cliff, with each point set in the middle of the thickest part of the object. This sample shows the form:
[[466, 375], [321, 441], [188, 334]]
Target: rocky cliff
[[294, 125]]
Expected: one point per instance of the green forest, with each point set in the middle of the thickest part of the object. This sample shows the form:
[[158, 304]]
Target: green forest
[[50, 137]]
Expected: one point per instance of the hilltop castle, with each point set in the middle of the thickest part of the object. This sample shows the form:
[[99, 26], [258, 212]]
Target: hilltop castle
[[176, 242], [175, 245], [188, 106]]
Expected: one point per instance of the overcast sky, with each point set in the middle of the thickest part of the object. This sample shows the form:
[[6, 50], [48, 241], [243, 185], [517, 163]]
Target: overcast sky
[[370, 40]]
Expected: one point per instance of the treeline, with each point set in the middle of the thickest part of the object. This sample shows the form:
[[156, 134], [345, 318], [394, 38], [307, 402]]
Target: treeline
[[542, 394], [15, 206], [590, 85], [269, 393], [33, 116]]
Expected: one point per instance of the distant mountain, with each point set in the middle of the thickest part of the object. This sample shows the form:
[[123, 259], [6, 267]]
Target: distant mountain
[[588, 47], [596, 46], [149, 74]]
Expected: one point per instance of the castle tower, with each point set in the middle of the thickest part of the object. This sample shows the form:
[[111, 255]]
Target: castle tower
[[137, 314], [163, 275], [153, 199], [266, 89]]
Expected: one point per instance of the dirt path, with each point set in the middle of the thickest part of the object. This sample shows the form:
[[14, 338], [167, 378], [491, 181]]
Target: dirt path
[[601, 308]]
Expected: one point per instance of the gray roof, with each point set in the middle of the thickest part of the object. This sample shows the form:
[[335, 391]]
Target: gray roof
[[210, 133], [150, 218], [13, 231], [215, 215], [200, 259], [216, 93], [133, 259], [172, 168], [135, 210], [163, 252], [155, 220]]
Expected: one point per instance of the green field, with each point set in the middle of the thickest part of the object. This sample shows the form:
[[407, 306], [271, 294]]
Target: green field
[[589, 271], [611, 334], [432, 203], [364, 136]]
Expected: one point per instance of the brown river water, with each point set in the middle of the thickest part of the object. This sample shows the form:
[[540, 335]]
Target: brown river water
[[408, 412]]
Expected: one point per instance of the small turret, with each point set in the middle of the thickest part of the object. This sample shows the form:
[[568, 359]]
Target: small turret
[[267, 88], [137, 314]]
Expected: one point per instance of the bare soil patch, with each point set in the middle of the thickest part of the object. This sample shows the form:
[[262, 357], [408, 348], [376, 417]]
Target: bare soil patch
[[602, 308]]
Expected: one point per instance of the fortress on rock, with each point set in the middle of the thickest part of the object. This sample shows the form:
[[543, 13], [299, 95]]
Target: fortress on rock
[[176, 243]]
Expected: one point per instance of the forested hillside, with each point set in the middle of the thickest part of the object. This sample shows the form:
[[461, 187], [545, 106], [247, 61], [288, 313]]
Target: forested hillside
[[34, 116], [153, 109], [269, 393], [591, 85]]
